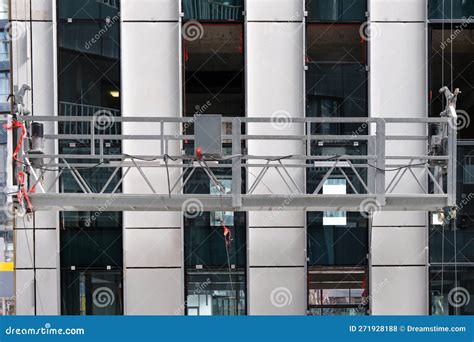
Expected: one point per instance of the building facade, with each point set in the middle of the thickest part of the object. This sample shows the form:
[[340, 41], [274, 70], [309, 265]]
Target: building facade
[[249, 59]]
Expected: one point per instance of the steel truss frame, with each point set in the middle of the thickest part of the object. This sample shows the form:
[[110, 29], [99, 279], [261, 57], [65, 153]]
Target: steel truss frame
[[434, 173]]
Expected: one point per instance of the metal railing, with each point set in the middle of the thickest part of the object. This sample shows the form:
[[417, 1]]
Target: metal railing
[[378, 175], [102, 119]]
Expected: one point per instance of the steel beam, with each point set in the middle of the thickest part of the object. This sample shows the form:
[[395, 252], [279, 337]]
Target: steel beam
[[151, 202]]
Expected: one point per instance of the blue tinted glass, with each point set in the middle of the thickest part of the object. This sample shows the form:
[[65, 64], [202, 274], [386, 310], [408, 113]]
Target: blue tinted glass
[[336, 10], [218, 10], [88, 9], [450, 9]]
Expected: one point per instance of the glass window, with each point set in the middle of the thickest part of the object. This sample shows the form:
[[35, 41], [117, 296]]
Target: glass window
[[215, 10], [336, 86], [336, 80], [455, 240], [336, 10], [6, 242], [468, 170], [89, 85], [215, 253], [88, 9], [4, 86], [91, 247], [452, 290], [90, 292], [4, 9], [205, 243], [441, 9], [337, 291], [217, 292], [214, 72], [461, 66], [89, 69], [337, 245], [4, 47]]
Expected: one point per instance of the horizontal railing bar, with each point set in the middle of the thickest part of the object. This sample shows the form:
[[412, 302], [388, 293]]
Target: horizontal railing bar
[[156, 119], [191, 137], [247, 157]]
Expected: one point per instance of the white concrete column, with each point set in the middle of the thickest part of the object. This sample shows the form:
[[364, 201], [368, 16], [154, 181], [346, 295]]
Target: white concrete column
[[34, 63], [398, 88], [151, 86], [275, 89]]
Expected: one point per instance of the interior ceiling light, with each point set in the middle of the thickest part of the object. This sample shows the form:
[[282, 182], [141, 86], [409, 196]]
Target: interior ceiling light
[[114, 93]]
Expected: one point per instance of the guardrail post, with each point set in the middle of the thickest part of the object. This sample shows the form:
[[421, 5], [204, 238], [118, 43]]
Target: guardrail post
[[236, 164], [380, 162], [452, 161]]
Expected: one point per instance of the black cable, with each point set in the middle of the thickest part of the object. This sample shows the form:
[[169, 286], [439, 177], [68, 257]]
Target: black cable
[[144, 159], [63, 168], [397, 168]]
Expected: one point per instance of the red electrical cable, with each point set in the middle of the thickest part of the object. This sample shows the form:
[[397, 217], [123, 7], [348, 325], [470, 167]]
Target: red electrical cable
[[22, 193], [17, 124], [227, 235]]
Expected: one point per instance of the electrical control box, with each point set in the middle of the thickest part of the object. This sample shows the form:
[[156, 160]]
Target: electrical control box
[[208, 135]]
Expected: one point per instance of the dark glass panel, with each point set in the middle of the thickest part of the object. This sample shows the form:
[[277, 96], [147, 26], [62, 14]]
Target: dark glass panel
[[451, 291], [88, 9], [336, 10], [89, 72], [89, 86], [336, 90], [335, 43], [86, 292], [462, 68], [214, 72], [458, 235], [217, 292], [203, 234], [213, 10], [337, 245], [450, 9], [205, 243], [336, 80]]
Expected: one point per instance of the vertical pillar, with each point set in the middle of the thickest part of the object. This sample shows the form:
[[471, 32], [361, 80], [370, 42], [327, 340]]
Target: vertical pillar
[[398, 88], [151, 86], [275, 89], [33, 63]]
